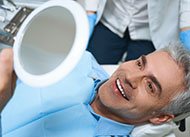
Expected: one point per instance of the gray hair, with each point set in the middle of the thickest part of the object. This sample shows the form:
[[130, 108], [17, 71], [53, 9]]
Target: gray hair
[[180, 104]]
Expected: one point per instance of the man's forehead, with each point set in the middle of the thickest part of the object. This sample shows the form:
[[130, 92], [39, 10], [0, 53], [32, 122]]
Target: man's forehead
[[159, 53], [162, 55], [165, 68], [165, 59]]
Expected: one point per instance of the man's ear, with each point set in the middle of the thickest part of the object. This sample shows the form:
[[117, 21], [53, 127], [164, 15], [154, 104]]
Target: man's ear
[[161, 119]]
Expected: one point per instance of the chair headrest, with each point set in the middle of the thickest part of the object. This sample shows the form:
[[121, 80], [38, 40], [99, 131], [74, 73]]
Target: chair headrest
[[182, 116]]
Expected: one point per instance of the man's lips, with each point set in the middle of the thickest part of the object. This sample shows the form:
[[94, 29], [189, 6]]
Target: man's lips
[[121, 89]]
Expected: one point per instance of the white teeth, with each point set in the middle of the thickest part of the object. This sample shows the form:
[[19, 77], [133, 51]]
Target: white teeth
[[120, 87]]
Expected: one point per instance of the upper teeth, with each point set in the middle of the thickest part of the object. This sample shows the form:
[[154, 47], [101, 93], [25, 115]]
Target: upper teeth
[[120, 87]]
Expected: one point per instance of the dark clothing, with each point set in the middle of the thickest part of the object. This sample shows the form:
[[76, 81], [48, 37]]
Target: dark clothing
[[108, 48]]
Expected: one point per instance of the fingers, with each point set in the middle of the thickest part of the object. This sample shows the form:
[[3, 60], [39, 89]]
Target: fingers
[[6, 66]]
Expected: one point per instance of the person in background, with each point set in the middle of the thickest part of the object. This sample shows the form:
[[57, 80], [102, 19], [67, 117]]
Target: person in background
[[136, 27]]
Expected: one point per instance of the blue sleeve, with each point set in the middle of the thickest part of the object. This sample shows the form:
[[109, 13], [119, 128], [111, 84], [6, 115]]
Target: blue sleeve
[[92, 21], [185, 38]]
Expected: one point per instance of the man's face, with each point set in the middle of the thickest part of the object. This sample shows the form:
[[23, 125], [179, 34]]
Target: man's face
[[140, 88]]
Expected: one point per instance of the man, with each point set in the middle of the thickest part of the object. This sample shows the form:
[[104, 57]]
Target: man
[[140, 91]]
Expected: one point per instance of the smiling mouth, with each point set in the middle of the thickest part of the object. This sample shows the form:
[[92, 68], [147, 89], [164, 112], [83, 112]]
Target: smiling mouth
[[121, 89]]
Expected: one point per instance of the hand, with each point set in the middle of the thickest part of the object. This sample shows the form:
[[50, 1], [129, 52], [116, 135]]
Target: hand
[[7, 77], [185, 38], [92, 20]]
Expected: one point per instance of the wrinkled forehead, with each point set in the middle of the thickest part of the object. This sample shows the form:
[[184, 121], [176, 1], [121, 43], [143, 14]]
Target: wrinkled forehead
[[163, 58], [166, 70]]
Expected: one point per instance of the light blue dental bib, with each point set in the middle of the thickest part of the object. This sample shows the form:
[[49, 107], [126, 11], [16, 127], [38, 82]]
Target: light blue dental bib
[[59, 110]]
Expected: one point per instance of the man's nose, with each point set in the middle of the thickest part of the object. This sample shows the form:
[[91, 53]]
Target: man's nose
[[135, 78]]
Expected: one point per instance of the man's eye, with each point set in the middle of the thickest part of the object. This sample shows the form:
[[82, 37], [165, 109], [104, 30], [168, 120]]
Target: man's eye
[[139, 64], [150, 87]]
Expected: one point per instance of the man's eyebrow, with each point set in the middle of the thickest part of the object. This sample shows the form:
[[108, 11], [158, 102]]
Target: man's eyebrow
[[144, 60], [152, 77]]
